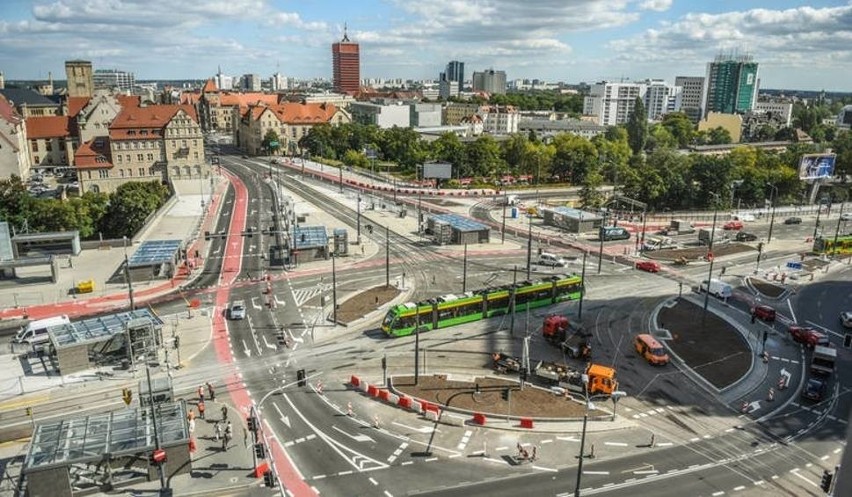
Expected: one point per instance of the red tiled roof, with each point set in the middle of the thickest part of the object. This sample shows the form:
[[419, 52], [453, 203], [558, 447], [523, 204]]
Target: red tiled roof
[[245, 99], [150, 118], [93, 154], [76, 104], [7, 111], [48, 127], [295, 113], [189, 98], [209, 86], [129, 100]]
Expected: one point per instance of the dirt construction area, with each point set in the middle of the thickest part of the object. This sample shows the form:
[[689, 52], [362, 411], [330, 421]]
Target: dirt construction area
[[461, 394], [696, 253], [706, 343], [365, 302]]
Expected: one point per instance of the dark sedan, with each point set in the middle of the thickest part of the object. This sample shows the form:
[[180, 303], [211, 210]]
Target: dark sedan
[[793, 220]]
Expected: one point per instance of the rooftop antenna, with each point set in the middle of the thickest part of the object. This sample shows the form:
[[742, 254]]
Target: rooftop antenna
[[345, 36]]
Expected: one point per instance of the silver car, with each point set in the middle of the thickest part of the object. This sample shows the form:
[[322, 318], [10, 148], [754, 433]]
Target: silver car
[[237, 310], [846, 319]]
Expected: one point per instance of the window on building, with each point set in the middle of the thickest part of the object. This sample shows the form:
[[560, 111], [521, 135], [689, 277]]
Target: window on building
[[35, 146], [140, 157], [127, 157], [130, 172], [88, 174], [103, 173], [121, 172], [141, 171], [183, 144], [48, 146], [151, 171], [119, 159], [150, 156], [35, 159]]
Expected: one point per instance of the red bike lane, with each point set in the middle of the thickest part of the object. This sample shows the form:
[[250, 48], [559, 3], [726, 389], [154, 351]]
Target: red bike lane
[[231, 265]]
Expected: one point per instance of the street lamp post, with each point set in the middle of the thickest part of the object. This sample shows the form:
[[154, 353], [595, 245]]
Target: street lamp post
[[819, 211], [529, 248], [773, 198], [710, 250], [583, 436], [600, 254], [582, 282], [837, 229], [359, 218], [334, 287], [464, 270]]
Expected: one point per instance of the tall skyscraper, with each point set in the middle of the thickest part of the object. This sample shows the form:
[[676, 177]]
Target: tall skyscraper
[[731, 85], [346, 65], [490, 81], [453, 74], [251, 82], [79, 74]]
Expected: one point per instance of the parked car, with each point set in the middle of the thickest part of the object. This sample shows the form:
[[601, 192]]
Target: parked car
[[846, 319], [742, 236], [846, 216], [763, 313], [237, 310], [743, 216], [793, 220], [733, 225], [650, 266], [814, 390], [807, 336]]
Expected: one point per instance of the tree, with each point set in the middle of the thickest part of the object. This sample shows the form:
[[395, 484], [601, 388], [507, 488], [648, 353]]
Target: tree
[[660, 137], [129, 207], [718, 136], [271, 142], [355, 159], [573, 157], [482, 158], [590, 193], [637, 127], [680, 127], [448, 148]]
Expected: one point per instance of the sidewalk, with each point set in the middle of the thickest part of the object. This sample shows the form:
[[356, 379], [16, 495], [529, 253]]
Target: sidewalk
[[184, 218]]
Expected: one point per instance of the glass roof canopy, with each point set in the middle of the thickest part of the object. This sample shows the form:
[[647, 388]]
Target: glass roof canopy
[[460, 223], [99, 328], [154, 252], [310, 237], [118, 433]]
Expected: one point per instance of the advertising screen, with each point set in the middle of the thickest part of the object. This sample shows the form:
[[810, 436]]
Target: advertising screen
[[816, 166]]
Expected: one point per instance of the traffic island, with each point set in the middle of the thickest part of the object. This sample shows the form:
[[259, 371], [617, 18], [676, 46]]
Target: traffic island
[[707, 344], [362, 304], [698, 253], [765, 288], [492, 400]]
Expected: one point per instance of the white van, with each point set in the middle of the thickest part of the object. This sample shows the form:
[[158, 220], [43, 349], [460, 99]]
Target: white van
[[35, 333], [547, 259], [718, 288]]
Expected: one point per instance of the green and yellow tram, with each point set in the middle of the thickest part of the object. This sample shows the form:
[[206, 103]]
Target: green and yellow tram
[[451, 310], [828, 246]]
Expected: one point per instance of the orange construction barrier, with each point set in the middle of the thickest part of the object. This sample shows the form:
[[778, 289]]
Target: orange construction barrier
[[526, 423], [479, 418], [260, 469], [192, 444], [354, 381], [405, 402], [372, 391]]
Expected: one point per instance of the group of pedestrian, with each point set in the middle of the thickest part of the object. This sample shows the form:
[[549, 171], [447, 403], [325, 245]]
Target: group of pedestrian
[[222, 429]]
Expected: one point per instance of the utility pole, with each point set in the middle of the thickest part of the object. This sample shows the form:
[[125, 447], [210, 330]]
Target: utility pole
[[341, 178], [583, 282], [710, 252], [773, 198], [334, 286], [600, 254], [464, 270], [416, 342], [387, 256], [419, 214], [529, 248], [503, 229], [819, 211], [359, 218], [837, 229], [129, 283], [512, 301]]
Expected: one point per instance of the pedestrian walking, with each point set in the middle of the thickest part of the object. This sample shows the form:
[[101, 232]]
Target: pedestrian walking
[[653, 441], [224, 413], [201, 410], [534, 452], [200, 393], [217, 430], [229, 433], [211, 392]]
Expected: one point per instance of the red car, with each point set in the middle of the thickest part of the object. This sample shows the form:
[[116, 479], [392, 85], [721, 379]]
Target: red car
[[733, 225], [808, 336], [650, 266], [763, 312]]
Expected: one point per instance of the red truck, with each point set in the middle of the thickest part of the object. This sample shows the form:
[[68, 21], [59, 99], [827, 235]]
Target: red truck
[[573, 340]]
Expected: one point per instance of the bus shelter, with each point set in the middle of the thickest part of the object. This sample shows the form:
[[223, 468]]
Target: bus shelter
[[118, 338], [96, 453], [155, 259]]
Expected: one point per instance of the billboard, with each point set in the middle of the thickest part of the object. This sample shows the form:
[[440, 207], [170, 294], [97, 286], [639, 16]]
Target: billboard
[[817, 166], [440, 170]]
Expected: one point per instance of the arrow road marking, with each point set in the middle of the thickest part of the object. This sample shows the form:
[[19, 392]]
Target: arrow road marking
[[357, 438], [246, 349], [254, 304], [568, 439], [284, 419], [268, 345]]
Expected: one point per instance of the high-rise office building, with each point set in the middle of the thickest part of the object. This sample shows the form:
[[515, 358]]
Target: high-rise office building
[[109, 79], [346, 65], [251, 82], [223, 81], [490, 81], [731, 85], [453, 74], [692, 90], [79, 74], [612, 103], [278, 82]]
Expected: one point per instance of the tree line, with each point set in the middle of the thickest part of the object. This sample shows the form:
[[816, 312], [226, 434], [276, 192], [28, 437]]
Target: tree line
[[121, 213]]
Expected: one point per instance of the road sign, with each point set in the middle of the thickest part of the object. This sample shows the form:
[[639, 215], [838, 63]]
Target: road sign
[[794, 265], [127, 395]]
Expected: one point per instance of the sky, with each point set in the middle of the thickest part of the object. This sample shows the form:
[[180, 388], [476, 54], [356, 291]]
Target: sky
[[798, 45]]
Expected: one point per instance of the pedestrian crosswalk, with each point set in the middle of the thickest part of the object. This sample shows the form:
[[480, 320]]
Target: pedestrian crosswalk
[[305, 294]]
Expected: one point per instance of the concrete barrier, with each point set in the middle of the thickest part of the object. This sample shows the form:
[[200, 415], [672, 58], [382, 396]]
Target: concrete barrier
[[392, 398], [416, 406], [372, 390], [433, 415], [383, 395], [405, 402], [364, 386], [527, 423]]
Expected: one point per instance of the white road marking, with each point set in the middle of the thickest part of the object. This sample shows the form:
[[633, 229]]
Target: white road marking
[[796, 472], [358, 438], [373, 481], [424, 429], [595, 472], [741, 487], [646, 472], [717, 494], [552, 470], [465, 439], [616, 444]]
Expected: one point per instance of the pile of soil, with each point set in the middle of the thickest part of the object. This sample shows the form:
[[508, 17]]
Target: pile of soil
[[706, 343], [696, 253], [365, 302], [529, 402], [767, 289]]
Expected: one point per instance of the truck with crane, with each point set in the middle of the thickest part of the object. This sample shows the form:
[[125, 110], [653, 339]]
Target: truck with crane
[[573, 340]]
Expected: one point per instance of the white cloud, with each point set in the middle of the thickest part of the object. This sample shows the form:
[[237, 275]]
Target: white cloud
[[656, 5]]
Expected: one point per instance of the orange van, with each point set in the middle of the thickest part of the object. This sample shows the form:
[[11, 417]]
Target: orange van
[[651, 350]]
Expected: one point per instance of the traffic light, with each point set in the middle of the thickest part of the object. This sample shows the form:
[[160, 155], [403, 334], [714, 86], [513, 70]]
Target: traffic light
[[269, 479], [177, 342], [251, 421], [825, 483], [206, 236], [847, 340], [260, 450], [507, 394], [760, 247], [127, 395], [300, 377]]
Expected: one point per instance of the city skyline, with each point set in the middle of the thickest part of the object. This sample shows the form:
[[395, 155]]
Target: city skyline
[[798, 45]]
